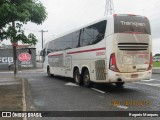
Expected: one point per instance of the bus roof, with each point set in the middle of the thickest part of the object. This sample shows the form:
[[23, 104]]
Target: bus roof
[[95, 21], [78, 28]]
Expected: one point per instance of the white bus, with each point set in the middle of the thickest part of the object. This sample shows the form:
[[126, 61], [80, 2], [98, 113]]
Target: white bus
[[115, 49]]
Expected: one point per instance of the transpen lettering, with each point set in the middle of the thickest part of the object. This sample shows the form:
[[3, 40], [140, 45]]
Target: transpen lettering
[[137, 24]]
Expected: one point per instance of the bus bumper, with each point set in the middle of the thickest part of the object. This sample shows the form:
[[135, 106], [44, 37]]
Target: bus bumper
[[128, 77]]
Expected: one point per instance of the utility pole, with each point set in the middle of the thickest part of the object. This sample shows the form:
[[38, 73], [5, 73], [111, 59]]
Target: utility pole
[[42, 31], [14, 44], [109, 8]]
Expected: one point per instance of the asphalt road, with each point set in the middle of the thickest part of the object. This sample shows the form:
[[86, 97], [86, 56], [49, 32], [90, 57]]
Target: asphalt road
[[61, 94]]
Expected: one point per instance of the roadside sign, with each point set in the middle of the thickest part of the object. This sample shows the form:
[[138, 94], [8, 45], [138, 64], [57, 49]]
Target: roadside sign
[[24, 57]]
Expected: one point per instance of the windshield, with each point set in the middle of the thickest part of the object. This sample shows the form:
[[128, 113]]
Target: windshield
[[131, 24]]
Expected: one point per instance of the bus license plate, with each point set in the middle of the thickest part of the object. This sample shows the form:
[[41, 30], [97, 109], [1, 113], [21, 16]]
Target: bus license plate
[[134, 76]]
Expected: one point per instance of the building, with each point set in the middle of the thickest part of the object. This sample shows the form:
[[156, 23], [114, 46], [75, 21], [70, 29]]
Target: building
[[26, 57]]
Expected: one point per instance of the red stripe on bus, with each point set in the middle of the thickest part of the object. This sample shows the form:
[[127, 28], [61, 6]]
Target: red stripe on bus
[[90, 50], [54, 55]]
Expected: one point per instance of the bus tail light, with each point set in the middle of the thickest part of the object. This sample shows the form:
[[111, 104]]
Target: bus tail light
[[150, 63], [112, 63]]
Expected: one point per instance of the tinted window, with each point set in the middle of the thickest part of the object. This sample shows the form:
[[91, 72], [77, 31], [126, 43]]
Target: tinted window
[[50, 46], [93, 34], [67, 41], [131, 24], [75, 40], [61, 43], [89, 35], [55, 45]]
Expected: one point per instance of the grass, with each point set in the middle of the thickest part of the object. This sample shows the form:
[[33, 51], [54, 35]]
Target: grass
[[156, 64]]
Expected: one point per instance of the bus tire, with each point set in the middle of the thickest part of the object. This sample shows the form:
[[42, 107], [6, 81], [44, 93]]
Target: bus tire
[[86, 79], [119, 84], [77, 77]]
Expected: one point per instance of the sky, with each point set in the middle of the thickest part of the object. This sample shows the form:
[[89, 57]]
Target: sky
[[65, 15]]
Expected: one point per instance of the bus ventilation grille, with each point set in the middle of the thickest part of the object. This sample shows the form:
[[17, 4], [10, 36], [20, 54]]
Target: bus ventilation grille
[[133, 46], [100, 68]]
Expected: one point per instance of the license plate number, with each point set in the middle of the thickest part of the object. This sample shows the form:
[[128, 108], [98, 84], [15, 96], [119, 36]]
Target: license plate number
[[134, 76]]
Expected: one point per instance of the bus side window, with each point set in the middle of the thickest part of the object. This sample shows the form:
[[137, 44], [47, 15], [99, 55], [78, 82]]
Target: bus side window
[[75, 39], [93, 34]]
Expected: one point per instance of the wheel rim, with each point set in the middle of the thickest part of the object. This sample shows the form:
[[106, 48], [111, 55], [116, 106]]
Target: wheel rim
[[77, 78]]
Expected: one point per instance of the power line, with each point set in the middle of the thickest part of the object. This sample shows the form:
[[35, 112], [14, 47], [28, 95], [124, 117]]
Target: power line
[[109, 8], [42, 31]]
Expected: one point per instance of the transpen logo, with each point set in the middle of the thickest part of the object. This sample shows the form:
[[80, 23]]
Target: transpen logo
[[137, 24]]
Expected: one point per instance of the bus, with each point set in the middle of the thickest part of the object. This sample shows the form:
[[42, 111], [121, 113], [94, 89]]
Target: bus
[[115, 49]]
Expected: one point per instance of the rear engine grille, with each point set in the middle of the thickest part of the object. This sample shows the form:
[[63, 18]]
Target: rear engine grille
[[133, 46], [100, 68]]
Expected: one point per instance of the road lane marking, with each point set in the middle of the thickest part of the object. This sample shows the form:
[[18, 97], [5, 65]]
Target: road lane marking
[[150, 80], [98, 90], [122, 107], [71, 84]]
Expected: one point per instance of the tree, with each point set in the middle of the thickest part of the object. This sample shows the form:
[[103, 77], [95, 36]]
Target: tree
[[15, 13]]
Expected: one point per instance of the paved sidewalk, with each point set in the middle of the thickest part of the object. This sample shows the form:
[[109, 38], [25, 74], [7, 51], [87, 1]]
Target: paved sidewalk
[[11, 94], [15, 95]]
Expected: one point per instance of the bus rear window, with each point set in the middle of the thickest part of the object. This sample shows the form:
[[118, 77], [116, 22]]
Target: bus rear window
[[131, 24]]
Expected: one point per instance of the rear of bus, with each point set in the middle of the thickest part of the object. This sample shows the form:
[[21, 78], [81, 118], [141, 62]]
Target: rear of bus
[[131, 58]]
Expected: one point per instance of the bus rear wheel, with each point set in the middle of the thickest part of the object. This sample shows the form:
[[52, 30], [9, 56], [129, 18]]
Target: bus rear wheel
[[77, 77], [86, 79]]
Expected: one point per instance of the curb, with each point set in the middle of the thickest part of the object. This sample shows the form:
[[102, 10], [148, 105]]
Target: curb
[[27, 99], [156, 70]]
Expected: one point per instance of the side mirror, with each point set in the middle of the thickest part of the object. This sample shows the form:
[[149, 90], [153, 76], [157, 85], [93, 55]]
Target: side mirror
[[42, 52], [48, 52]]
